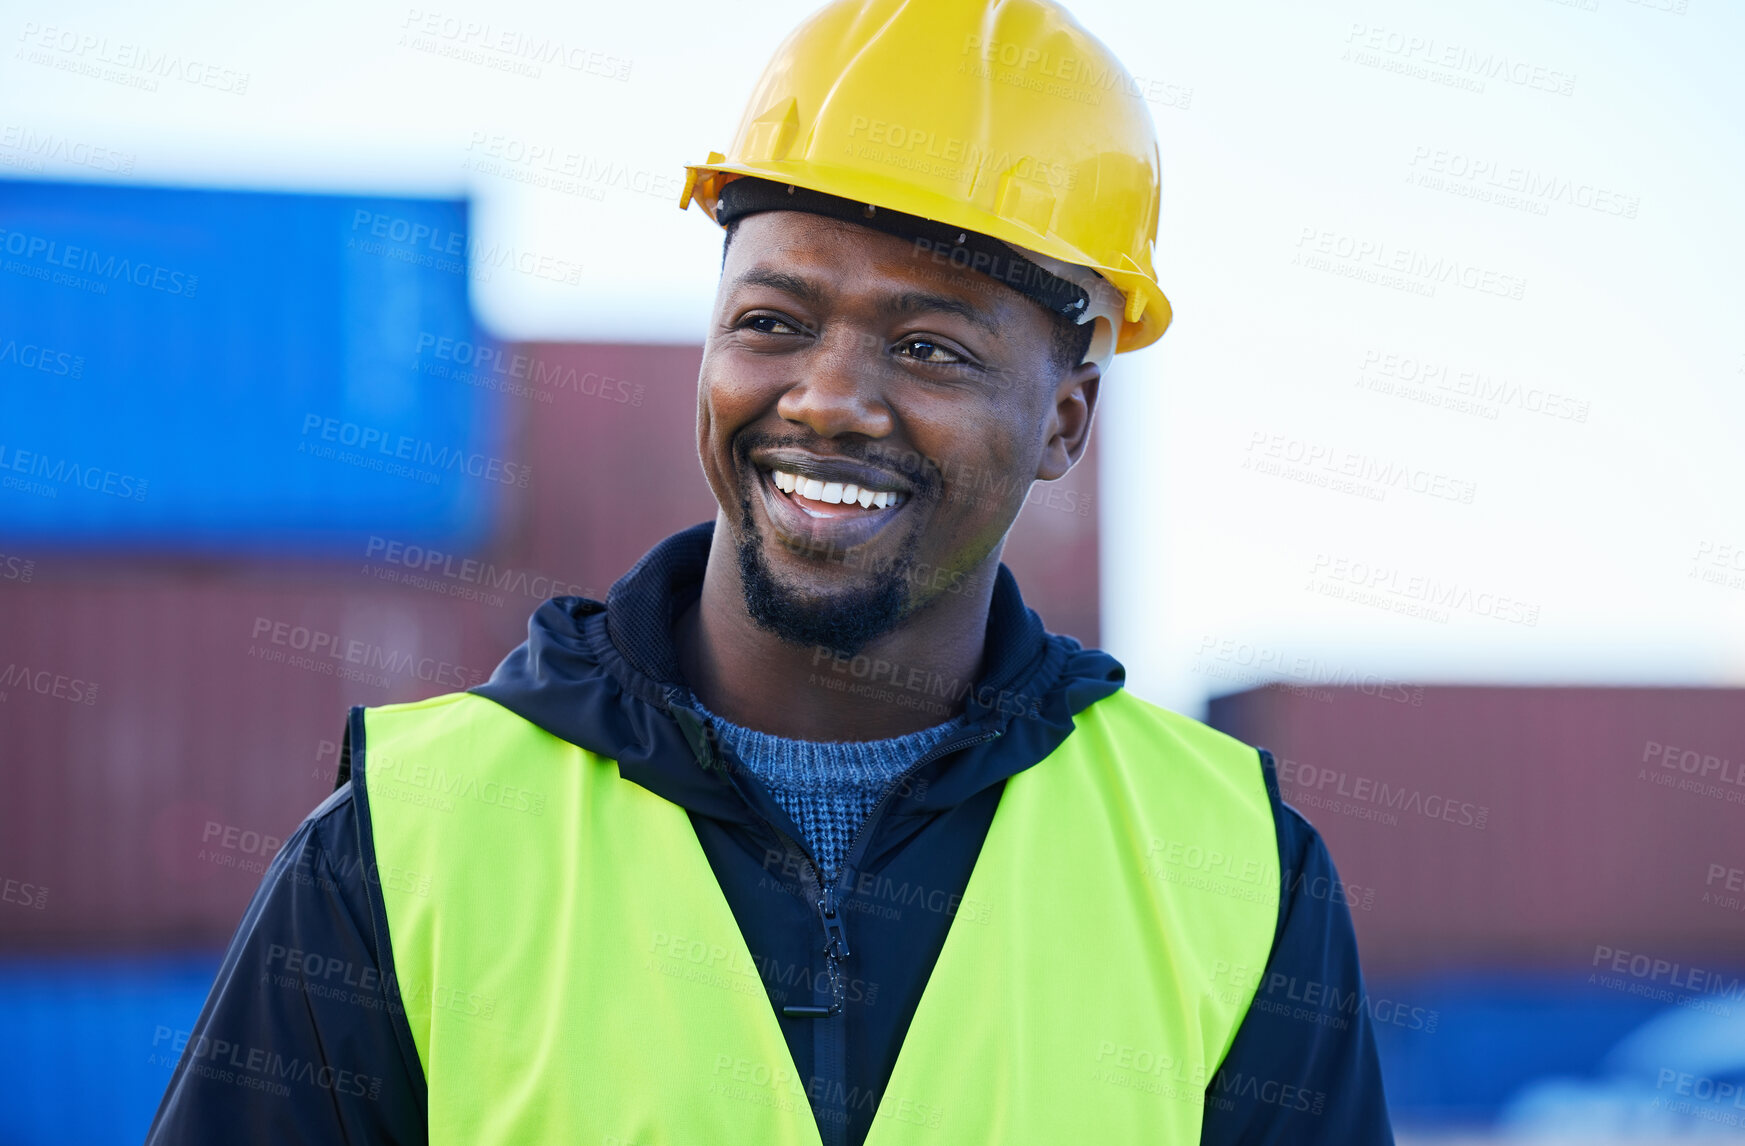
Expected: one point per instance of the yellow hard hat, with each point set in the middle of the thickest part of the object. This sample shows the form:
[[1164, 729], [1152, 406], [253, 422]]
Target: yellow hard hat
[[1000, 117]]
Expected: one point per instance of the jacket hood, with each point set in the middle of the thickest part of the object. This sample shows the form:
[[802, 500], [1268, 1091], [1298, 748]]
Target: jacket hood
[[605, 676]]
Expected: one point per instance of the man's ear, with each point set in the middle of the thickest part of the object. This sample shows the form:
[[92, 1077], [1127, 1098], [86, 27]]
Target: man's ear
[[1068, 426]]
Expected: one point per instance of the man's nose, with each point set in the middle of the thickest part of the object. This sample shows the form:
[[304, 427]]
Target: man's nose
[[840, 387]]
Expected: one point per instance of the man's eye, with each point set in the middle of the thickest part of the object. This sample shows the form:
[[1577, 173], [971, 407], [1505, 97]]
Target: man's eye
[[769, 324], [926, 350]]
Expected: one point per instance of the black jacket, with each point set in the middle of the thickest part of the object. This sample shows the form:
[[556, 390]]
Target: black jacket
[[303, 1040]]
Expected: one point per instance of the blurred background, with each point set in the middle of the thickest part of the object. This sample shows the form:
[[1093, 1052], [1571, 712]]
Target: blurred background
[[369, 327]]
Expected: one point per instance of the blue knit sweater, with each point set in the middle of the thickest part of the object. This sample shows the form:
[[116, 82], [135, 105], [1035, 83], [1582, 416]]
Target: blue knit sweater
[[829, 787]]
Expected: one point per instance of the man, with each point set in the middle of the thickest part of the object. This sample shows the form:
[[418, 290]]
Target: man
[[661, 881]]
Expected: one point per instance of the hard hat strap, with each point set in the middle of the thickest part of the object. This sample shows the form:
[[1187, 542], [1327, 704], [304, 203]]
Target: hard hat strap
[[1105, 306], [943, 244]]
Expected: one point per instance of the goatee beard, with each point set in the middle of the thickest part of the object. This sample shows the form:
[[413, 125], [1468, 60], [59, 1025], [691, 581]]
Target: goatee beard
[[843, 622]]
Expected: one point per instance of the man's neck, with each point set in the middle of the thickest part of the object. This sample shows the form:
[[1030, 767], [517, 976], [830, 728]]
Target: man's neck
[[908, 679]]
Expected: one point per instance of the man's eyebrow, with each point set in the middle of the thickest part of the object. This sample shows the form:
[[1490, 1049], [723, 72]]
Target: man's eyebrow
[[914, 302], [907, 303], [783, 281]]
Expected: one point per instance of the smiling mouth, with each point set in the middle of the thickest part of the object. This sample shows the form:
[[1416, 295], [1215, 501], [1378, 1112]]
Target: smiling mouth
[[833, 498], [813, 517]]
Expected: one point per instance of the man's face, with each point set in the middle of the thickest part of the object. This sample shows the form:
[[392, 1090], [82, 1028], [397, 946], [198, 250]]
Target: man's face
[[845, 357]]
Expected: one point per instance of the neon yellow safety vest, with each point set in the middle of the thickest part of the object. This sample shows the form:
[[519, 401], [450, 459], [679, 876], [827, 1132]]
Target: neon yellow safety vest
[[571, 970]]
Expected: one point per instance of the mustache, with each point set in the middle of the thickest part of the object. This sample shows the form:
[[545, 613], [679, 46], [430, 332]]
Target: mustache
[[920, 471]]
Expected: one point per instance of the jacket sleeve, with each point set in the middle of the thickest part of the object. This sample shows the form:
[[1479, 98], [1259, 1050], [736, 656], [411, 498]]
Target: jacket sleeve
[[1303, 1069], [302, 1038]]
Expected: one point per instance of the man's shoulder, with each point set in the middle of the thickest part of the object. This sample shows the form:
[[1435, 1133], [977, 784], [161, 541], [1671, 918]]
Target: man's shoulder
[[1157, 730], [337, 804], [326, 839], [1138, 715], [430, 721], [430, 704]]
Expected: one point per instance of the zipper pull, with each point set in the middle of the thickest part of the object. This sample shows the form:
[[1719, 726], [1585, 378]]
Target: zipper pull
[[835, 935], [699, 734], [835, 949]]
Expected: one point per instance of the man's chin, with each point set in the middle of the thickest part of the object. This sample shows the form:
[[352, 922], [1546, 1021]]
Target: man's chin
[[842, 609]]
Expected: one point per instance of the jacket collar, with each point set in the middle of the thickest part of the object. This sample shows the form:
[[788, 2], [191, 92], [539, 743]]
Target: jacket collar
[[605, 676]]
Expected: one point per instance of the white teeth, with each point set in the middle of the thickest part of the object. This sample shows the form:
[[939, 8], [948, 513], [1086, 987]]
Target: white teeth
[[833, 493]]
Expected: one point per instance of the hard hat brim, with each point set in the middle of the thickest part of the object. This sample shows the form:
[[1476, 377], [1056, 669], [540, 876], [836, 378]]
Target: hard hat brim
[[703, 182]]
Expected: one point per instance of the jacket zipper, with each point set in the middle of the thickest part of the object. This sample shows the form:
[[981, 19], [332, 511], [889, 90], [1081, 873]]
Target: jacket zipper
[[830, 1045], [821, 898], [830, 1051]]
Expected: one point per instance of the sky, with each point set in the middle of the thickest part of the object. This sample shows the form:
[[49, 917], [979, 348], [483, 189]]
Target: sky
[[1455, 389]]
